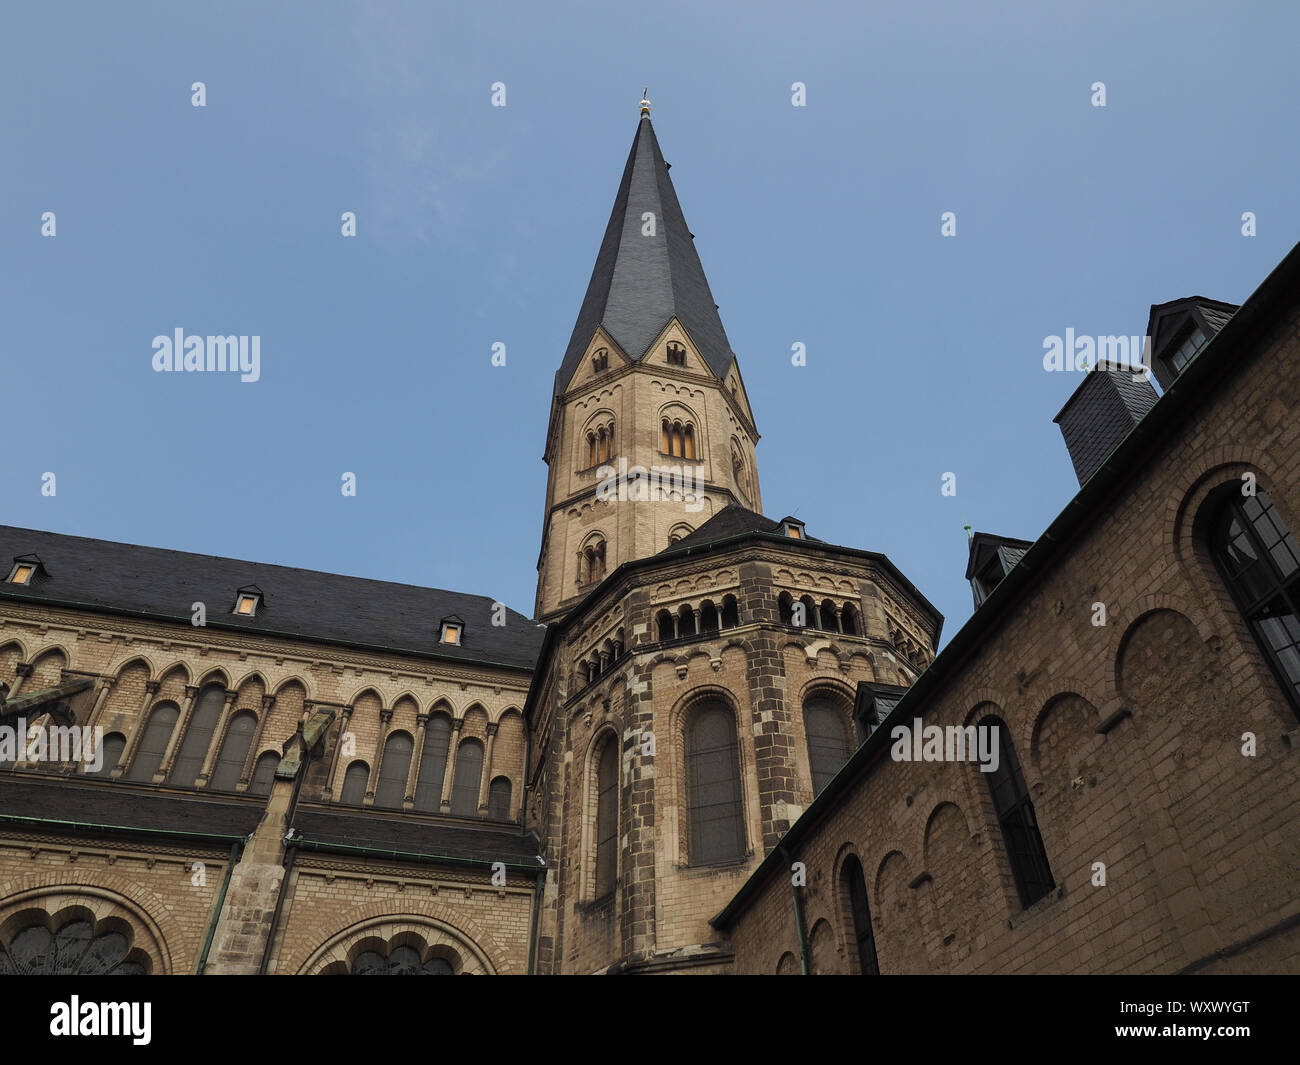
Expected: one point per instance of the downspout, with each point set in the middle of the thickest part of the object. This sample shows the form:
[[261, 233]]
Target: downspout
[[537, 913], [236, 850]]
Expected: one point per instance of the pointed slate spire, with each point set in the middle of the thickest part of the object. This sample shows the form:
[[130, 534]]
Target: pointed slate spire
[[640, 282]]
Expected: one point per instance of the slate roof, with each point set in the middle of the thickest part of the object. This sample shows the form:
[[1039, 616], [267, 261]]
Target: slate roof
[[731, 520], [639, 283], [1101, 412], [409, 834], [157, 583], [983, 544], [118, 806]]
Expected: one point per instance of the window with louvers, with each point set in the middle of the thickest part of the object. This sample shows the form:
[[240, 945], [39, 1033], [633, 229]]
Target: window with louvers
[[1016, 818], [606, 819], [716, 830]]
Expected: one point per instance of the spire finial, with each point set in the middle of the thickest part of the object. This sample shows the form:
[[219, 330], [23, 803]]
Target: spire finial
[[645, 102], [970, 533]]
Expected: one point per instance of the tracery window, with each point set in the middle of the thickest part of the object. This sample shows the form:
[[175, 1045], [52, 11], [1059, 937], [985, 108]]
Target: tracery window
[[74, 950]]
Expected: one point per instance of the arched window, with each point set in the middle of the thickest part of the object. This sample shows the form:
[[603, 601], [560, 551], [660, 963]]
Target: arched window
[[198, 736], [665, 622], [433, 764], [606, 818], [785, 608], [829, 622], [593, 562], [499, 799], [665, 438], [1016, 818], [730, 612], [600, 360], [855, 887], [685, 620], [852, 621], [469, 774], [390, 789], [676, 354], [810, 618], [354, 783], [234, 751], [157, 733], [591, 449], [708, 616], [401, 961], [828, 741], [264, 775], [688, 442], [715, 822], [74, 950], [111, 753], [1260, 563]]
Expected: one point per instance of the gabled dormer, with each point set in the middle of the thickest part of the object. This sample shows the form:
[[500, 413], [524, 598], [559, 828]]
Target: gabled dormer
[[26, 570], [1179, 329], [991, 559]]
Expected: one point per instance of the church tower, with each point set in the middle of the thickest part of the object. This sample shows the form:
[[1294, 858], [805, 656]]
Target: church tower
[[648, 383]]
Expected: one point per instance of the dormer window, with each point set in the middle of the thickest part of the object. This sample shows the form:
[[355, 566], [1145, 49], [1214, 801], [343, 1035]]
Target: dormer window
[[453, 628], [792, 528], [600, 361], [248, 600], [21, 573], [676, 354], [1185, 351]]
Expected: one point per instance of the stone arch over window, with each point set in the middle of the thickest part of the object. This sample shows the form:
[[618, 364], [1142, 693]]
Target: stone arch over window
[[810, 612], [709, 616], [394, 768], [678, 533], [827, 722], [685, 620], [47, 668], [153, 743], [1258, 561], [788, 965], [469, 775], [598, 439], [714, 807], [354, 784], [264, 775], [110, 754], [823, 958], [676, 353], [829, 616], [600, 360], [678, 436], [433, 761], [234, 751], [79, 929], [785, 608], [429, 938], [591, 559]]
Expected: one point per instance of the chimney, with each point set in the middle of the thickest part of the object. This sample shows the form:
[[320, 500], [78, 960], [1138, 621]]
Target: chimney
[[1105, 406]]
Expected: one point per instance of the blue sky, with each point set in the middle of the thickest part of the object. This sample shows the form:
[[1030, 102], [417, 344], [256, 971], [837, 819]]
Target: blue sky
[[476, 224]]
